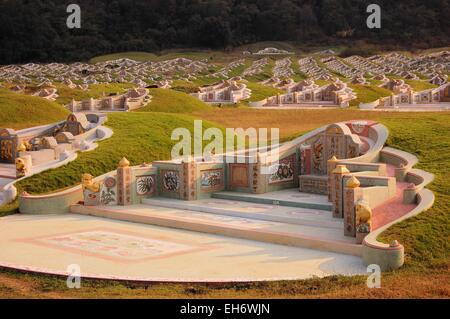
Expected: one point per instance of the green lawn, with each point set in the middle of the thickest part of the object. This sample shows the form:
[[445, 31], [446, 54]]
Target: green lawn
[[240, 69], [141, 137], [367, 93], [298, 75], [260, 92], [425, 237], [172, 101], [20, 111], [418, 85], [322, 82], [95, 91], [266, 72]]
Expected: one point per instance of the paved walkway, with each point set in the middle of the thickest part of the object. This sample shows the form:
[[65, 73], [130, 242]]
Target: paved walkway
[[111, 249]]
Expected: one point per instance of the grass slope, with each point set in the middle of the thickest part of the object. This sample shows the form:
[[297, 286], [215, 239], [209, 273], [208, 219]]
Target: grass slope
[[260, 92], [141, 137], [418, 85], [265, 74], [172, 101], [95, 91], [20, 111], [368, 93], [425, 237]]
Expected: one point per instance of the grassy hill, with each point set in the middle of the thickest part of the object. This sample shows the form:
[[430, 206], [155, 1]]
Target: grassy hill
[[171, 101], [141, 137], [20, 111]]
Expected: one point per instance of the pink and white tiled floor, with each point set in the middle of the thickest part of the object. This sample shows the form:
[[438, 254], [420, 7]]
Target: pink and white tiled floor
[[111, 249]]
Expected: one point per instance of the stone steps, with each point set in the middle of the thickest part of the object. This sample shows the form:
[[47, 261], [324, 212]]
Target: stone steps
[[318, 238], [289, 198], [274, 213]]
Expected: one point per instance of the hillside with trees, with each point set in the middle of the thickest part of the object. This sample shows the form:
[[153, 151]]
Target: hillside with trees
[[36, 30]]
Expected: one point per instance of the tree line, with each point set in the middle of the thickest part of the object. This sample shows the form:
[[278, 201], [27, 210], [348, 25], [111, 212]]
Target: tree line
[[35, 30]]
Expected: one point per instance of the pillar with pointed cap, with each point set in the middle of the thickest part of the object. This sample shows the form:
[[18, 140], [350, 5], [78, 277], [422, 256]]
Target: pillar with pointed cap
[[352, 194], [124, 180]]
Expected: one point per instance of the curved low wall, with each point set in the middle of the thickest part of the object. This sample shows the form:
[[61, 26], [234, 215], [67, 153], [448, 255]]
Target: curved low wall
[[419, 178], [390, 257], [99, 133], [258, 103], [370, 105], [55, 203], [379, 134], [397, 158]]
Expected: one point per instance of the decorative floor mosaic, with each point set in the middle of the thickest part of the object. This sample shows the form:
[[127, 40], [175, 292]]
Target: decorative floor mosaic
[[117, 245]]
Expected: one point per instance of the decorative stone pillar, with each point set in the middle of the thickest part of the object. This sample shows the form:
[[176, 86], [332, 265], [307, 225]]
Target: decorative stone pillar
[[189, 180], [256, 175], [331, 165], [124, 183], [352, 194], [336, 190], [305, 159]]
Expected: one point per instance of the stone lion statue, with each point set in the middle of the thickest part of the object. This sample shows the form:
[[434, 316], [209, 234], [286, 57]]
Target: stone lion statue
[[87, 182], [91, 190], [21, 167], [363, 217]]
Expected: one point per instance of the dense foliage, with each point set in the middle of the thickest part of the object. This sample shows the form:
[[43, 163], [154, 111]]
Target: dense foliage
[[35, 30]]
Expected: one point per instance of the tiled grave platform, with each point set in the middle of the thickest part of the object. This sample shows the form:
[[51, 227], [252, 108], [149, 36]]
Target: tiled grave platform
[[275, 213], [112, 249], [289, 197], [313, 237]]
